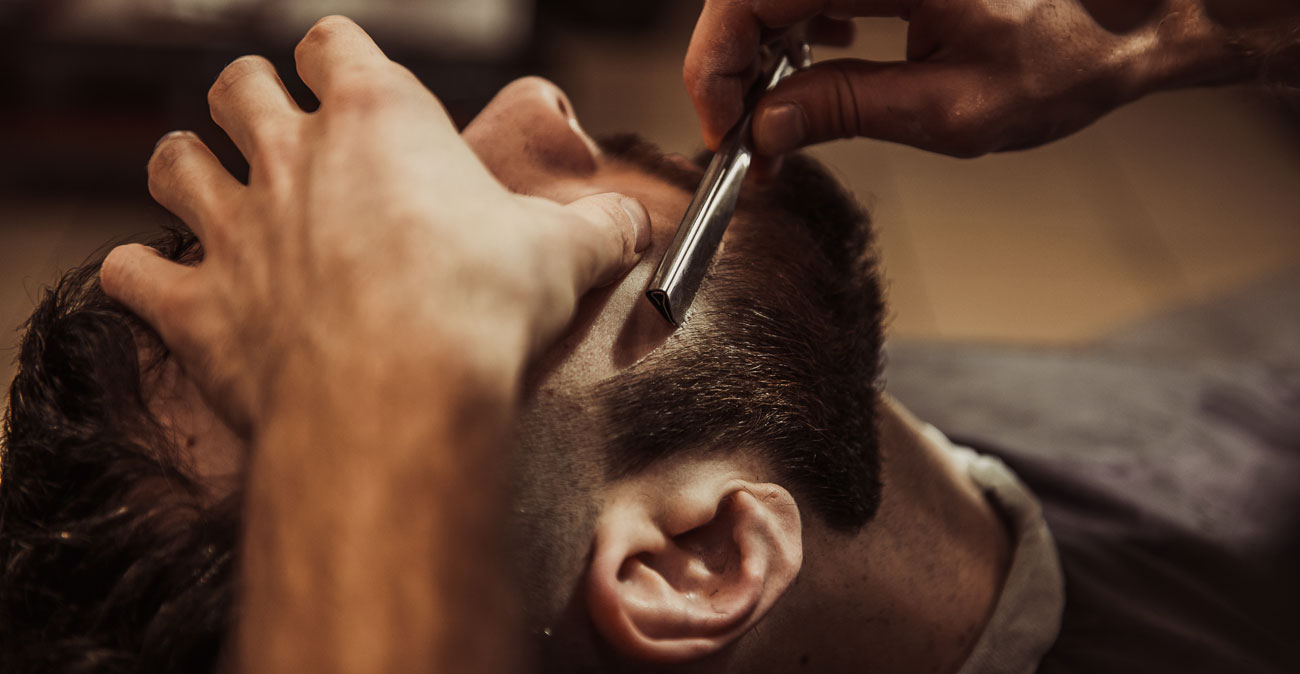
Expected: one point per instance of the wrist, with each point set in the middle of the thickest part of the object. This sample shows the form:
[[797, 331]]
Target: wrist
[[384, 375], [1195, 44], [1178, 50], [379, 497]]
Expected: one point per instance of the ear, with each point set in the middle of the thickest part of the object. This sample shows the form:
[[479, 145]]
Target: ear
[[679, 573]]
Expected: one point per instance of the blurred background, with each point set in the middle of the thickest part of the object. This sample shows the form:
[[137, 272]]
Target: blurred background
[[1179, 198]]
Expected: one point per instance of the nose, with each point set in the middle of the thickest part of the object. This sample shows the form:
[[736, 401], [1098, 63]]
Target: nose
[[528, 136]]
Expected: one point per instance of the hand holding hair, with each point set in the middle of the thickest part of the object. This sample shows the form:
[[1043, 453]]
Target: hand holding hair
[[368, 229], [364, 311]]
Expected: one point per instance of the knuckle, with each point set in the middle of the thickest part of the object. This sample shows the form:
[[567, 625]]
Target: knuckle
[[616, 240], [711, 90], [113, 271], [609, 232], [234, 73], [364, 88], [962, 126], [181, 301], [324, 30], [173, 303], [610, 208], [846, 109], [218, 212], [625, 240], [170, 153], [219, 234], [274, 140]]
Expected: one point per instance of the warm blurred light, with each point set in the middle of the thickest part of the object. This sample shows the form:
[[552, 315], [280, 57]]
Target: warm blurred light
[[471, 28]]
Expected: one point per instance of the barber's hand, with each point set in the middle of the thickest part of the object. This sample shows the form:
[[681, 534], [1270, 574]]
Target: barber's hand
[[980, 76], [369, 238]]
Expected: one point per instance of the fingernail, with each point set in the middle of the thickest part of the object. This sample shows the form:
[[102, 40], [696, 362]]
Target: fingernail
[[640, 219], [780, 129]]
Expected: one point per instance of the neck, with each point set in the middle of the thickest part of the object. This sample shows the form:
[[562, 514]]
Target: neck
[[912, 590]]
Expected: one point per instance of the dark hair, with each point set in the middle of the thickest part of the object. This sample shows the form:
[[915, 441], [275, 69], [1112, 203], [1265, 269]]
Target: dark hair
[[781, 358], [112, 558]]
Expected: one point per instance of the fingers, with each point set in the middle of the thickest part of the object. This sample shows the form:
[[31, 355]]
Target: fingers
[[149, 286], [335, 47], [352, 76], [251, 104], [612, 231], [927, 105], [722, 59], [186, 179]]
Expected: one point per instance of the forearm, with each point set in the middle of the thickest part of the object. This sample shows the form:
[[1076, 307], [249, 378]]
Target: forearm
[[373, 510], [1203, 42]]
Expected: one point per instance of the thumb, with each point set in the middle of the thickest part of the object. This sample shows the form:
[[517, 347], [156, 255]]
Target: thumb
[[613, 230], [908, 103]]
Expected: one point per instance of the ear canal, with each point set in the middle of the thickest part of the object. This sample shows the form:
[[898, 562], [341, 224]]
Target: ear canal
[[694, 593]]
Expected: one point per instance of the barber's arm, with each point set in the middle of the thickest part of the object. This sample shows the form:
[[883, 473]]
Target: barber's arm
[[981, 75], [365, 310]]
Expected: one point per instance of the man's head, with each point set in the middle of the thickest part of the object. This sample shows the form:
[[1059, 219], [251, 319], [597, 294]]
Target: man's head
[[654, 468]]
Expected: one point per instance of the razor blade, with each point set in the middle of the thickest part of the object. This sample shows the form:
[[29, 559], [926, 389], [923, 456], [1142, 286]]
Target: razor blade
[[689, 256]]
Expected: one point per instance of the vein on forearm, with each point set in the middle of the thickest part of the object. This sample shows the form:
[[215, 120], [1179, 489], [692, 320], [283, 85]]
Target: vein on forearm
[[371, 537]]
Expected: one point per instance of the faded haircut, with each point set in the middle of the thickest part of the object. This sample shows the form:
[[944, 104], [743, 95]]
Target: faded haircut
[[781, 355], [780, 358]]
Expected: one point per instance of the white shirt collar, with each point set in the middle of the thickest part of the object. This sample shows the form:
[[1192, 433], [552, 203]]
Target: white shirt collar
[[1027, 617]]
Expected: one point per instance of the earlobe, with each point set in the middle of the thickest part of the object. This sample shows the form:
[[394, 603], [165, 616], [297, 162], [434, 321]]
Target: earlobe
[[683, 575]]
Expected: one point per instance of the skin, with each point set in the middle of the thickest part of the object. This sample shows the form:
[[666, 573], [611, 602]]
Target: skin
[[911, 592], [937, 551], [979, 76], [530, 141], [349, 263], [343, 267]]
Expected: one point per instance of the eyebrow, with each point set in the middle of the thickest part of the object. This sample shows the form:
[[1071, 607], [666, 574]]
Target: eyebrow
[[636, 151]]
